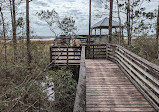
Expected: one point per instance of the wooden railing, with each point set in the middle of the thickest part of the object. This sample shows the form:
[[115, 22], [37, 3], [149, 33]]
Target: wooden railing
[[65, 55], [143, 74], [79, 105], [96, 51]]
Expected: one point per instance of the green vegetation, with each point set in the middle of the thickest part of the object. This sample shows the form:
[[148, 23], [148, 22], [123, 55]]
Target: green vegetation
[[145, 47], [34, 88], [64, 90]]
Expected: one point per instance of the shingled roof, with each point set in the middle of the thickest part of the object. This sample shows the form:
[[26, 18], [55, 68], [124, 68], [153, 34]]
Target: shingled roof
[[104, 24]]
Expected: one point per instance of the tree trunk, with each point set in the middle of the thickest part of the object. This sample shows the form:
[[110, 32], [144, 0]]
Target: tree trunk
[[120, 35], [90, 17], [22, 40], [110, 21], [89, 37], [157, 34], [28, 33], [4, 36], [13, 17], [128, 23], [132, 19]]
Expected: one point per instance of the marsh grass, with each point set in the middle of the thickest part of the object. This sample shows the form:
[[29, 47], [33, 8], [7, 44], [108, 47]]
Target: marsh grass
[[21, 87]]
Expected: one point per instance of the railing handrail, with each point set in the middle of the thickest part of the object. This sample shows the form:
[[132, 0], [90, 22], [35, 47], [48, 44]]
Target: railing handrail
[[66, 46], [79, 105], [140, 59], [64, 51], [142, 73], [93, 44]]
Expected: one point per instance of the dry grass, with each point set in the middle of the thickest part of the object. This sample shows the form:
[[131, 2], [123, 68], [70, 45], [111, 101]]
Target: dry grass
[[34, 41]]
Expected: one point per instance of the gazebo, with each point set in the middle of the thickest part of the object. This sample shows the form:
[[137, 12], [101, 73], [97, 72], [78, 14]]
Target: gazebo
[[104, 24]]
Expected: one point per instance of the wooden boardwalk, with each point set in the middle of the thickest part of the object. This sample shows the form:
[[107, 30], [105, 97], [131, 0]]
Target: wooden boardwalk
[[108, 89]]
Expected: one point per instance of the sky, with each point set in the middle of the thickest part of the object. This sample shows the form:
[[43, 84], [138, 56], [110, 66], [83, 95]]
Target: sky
[[78, 9]]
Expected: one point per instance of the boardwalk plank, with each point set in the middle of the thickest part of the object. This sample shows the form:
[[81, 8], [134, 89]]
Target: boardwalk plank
[[120, 109], [108, 89]]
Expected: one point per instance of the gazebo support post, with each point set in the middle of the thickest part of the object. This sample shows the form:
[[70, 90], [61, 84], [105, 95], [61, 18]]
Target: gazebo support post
[[100, 34], [91, 31]]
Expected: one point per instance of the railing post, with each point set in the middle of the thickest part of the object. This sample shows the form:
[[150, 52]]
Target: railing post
[[106, 51], [114, 51], [86, 51], [67, 56], [89, 50], [50, 54], [93, 51]]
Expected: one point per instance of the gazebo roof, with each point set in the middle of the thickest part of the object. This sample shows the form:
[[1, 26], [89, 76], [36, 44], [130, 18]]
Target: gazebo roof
[[104, 24]]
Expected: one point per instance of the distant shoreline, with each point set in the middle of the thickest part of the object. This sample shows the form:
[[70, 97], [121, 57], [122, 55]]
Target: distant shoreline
[[34, 39], [46, 40]]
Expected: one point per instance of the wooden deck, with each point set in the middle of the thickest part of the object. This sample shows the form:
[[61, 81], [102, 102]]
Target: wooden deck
[[65, 55], [108, 89], [132, 87]]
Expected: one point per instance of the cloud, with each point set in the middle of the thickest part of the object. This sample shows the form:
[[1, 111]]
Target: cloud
[[78, 9], [42, 3]]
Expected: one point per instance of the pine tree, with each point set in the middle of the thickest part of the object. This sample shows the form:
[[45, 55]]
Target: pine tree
[[28, 33], [110, 20], [4, 35], [157, 33]]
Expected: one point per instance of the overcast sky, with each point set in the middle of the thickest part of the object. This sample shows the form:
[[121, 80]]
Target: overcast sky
[[78, 9]]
